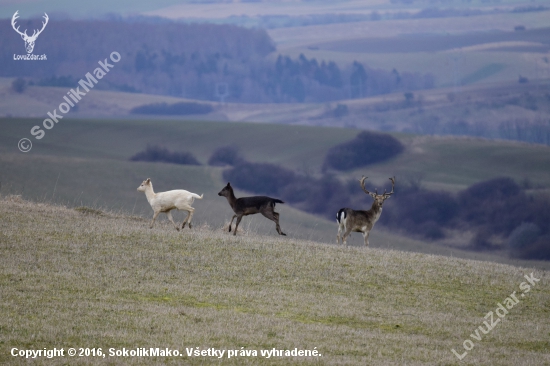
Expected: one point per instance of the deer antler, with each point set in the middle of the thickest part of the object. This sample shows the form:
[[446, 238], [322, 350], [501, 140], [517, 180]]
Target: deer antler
[[392, 186], [13, 19], [24, 34], [43, 26], [362, 180]]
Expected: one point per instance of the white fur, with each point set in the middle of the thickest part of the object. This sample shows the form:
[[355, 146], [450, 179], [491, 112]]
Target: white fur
[[178, 199]]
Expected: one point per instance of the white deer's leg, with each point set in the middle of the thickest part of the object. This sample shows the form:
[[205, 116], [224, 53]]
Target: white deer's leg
[[191, 211], [185, 220], [169, 214], [154, 218]]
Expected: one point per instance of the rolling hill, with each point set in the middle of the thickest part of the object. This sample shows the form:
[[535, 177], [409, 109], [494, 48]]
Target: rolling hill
[[105, 281], [85, 163], [505, 110]]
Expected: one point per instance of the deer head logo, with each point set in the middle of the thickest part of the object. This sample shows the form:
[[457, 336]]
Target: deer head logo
[[29, 40]]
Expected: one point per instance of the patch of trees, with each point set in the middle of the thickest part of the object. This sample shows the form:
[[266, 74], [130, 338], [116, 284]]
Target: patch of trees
[[497, 208], [366, 148], [175, 109], [192, 60], [225, 155], [155, 153], [421, 212], [19, 85], [63, 80]]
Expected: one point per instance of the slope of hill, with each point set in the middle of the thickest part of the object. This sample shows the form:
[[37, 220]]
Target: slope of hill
[[85, 162], [92, 279]]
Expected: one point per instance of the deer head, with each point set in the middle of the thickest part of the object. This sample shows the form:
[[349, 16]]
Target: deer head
[[227, 191], [144, 185], [29, 41], [378, 198]]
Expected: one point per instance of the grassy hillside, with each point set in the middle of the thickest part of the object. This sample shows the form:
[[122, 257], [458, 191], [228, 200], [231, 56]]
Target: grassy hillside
[[302, 148], [82, 278], [85, 163]]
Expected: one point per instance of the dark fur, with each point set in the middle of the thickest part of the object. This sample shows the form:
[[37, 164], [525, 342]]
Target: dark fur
[[245, 206]]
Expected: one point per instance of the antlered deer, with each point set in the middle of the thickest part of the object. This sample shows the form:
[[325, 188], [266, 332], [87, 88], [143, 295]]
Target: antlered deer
[[29, 40], [245, 206], [361, 221]]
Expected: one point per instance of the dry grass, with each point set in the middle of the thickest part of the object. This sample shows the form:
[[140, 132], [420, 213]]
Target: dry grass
[[76, 278]]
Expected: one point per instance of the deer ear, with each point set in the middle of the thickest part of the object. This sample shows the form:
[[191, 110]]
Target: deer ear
[[148, 180], [228, 184]]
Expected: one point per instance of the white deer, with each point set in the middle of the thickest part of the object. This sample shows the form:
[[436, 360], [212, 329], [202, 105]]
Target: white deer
[[178, 199], [29, 41]]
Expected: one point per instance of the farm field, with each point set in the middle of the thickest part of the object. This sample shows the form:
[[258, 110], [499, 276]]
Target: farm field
[[447, 48], [486, 105], [105, 280], [85, 163]]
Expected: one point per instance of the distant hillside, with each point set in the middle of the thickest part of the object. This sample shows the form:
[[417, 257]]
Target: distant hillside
[[200, 61]]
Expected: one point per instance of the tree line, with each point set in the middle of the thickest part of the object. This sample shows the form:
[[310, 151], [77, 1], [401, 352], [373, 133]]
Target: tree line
[[193, 60]]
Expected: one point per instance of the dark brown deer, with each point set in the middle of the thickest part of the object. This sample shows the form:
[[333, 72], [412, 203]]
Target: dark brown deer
[[245, 206], [361, 221]]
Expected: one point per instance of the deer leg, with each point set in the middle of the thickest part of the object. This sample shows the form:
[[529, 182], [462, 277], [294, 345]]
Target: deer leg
[[154, 218], [345, 237], [273, 216], [339, 235], [239, 218], [366, 236], [169, 214], [185, 221], [231, 223], [279, 230], [190, 211]]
